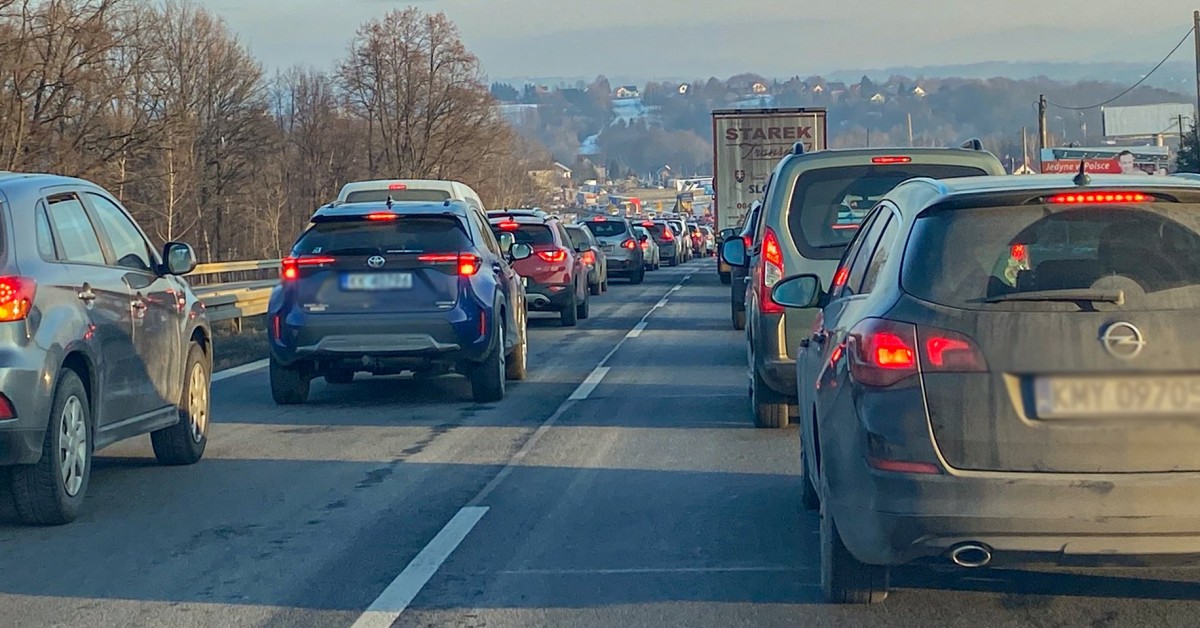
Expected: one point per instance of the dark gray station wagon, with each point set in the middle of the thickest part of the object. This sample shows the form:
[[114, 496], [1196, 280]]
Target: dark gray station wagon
[[100, 340]]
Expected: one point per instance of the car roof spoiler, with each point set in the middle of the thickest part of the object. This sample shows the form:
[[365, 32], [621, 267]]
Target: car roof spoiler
[[972, 144]]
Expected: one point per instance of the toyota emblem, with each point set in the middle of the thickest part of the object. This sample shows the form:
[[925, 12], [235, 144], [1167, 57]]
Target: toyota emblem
[[376, 261], [1123, 340]]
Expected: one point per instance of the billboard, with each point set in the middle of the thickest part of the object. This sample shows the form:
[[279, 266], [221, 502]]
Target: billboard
[[1106, 159], [1146, 120]]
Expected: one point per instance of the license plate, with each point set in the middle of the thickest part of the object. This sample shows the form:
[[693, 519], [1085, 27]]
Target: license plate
[[1087, 397], [606, 247], [377, 281]]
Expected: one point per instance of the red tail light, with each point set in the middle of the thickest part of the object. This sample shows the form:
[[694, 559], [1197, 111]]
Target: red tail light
[[882, 352], [16, 298], [6, 408], [589, 257], [508, 225], [630, 244], [381, 216], [553, 256], [468, 264], [397, 186], [668, 236], [747, 241], [290, 266], [1098, 197], [770, 272], [949, 352], [840, 278], [891, 160], [645, 246]]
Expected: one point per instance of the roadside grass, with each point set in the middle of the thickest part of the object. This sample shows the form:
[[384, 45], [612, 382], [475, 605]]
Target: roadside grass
[[231, 348]]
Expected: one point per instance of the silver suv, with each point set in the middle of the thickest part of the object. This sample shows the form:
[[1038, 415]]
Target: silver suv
[[622, 246], [100, 340]]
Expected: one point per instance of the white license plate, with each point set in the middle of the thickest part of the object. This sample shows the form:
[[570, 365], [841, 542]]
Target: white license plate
[[525, 281], [377, 281], [1086, 397], [606, 247]]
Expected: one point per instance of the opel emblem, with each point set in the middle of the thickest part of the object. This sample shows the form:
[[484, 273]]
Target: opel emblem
[[1123, 340], [376, 261]]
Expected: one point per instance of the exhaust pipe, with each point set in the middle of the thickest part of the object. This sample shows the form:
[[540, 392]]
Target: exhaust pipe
[[971, 555], [538, 300]]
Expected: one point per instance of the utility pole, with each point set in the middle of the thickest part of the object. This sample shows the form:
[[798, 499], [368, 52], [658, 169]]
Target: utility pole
[[1025, 148], [1042, 140], [910, 135]]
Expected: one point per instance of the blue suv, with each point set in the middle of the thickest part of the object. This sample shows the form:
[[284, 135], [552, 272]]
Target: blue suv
[[388, 288]]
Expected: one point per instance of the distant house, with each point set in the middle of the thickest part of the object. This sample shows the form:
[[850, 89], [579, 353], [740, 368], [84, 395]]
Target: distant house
[[628, 91], [759, 88], [878, 98], [818, 89], [918, 91], [564, 172]]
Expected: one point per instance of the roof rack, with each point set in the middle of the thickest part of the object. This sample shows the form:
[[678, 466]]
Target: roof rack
[[973, 144]]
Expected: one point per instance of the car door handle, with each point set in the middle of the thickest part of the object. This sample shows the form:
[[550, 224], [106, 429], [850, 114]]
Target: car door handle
[[86, 294]]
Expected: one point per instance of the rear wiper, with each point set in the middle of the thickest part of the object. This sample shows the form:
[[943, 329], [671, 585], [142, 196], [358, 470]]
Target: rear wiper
[[1068, 295]]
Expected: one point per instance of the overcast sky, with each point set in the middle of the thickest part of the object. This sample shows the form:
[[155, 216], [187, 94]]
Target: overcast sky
[[701, 38]]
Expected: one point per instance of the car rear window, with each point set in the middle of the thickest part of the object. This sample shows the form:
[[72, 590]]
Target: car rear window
[[533, 235], [406, 195], [968, 257], [606, 228], [578, 237], [828, 204], [368, 237]]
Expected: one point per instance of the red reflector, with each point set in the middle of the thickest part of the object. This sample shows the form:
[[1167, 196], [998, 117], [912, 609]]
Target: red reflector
[[16, 298], [381, 216], [277, 324], [397, 186], [895, 159], [508, 225], [1098, 197], [900, 466], [6, 409], [556, 255]]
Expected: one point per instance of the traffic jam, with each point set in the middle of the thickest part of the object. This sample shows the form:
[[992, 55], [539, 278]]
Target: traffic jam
[[978, 369]]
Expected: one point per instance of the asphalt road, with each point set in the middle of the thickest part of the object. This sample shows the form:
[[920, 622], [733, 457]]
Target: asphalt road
[[633, 494]]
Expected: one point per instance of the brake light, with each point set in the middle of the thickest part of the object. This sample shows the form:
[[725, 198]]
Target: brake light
[[949, 352], [397, 186], [6, 408], [290, 266], [508, 225], [747, 241], [840, 278], [1019, 253], [468, 264], [1098, 197], [16, 298], [589, 257], [381, 216], [553, 256], [770, 272], [629, 244], [668, 236], [893, 159], [645, 246], [599, 219], [882, 352]]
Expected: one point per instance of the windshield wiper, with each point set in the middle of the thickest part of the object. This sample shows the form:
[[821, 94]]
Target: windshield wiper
[[1071, 295]]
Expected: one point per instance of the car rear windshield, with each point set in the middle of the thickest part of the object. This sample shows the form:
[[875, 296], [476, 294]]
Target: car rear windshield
[[370, 237], [406, 195], [578, 237], [981, 258], [829, 203], [606, 228], [533, 235]]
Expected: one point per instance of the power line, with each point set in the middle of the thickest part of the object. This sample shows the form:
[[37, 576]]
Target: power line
[[1135, 85]]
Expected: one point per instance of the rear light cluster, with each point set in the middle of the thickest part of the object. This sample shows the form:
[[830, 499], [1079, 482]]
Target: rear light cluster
[[16, 298], [770, 272], [883, 352], [468, 263], [630, 244], [290, 266], [1098, 197], [553, 256], [589, 257], [668, 236]]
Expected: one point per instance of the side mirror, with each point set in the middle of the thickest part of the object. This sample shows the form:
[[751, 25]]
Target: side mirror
[[506, 241], [801, 291], [643, 238], [733, 252], [180, 258], [727, 233], [520, 251]]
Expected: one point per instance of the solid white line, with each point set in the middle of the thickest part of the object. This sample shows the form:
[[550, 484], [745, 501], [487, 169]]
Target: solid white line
[[387, 608], [239, 370], [637, 330], [589, 384], [649, 570], [662, 303]]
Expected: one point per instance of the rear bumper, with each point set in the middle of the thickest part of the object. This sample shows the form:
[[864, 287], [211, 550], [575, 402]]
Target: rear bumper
[[1132, 519], [450, 337], [623, 266], [27, 378], [548, 298]]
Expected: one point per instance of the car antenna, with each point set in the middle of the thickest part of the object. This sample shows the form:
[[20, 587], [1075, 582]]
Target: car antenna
[[1082, 179]]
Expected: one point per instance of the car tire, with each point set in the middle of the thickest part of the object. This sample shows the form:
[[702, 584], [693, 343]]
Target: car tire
[[41, 495], [673, 261], [725, 278], [184, 442], [339, 377], [845, 580], [595, 289], [289, 384], [604, 285], [770, 411], [570, 312], [585, 309], [738, 317], [487, 377], [638, 277], [516, 366], [808, 491]]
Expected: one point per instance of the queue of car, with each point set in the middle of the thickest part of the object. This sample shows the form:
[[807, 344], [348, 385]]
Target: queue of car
[[986, 370]]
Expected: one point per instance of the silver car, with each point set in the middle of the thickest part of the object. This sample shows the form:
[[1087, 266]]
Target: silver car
[[621, 247], [650, 248]]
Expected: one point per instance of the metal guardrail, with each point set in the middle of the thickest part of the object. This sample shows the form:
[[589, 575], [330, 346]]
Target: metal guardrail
[[234, 290]]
